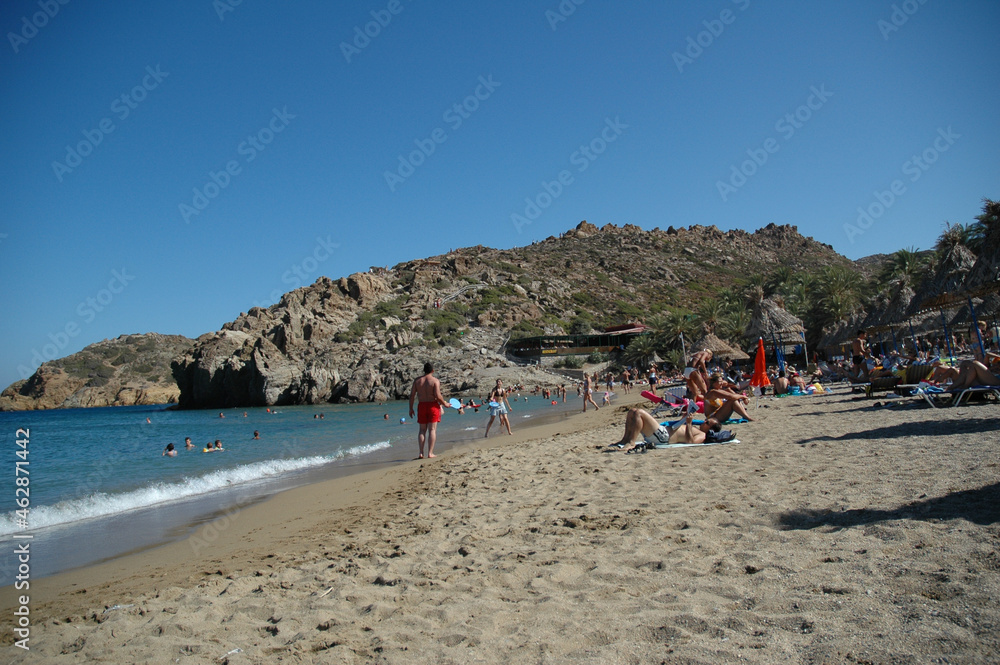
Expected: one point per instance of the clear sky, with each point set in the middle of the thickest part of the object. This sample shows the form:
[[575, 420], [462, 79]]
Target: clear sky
[[169, 165]]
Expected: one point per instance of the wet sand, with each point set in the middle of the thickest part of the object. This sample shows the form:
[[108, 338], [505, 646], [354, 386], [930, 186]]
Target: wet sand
[[836, 531]]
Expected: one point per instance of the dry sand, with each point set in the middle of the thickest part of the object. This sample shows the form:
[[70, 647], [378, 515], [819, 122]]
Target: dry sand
[[836, 532]]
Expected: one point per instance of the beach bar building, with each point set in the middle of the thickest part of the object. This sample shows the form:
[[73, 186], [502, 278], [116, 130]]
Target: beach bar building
[[613, 338]]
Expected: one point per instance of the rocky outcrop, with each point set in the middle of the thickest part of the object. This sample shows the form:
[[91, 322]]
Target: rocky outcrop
[[128, 370], [365, 337]]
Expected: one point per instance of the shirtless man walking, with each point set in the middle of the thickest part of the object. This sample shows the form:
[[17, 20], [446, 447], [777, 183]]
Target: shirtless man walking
[[859, 351], [428, 391]]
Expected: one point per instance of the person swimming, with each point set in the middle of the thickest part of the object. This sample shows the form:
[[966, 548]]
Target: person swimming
[[169, 451]]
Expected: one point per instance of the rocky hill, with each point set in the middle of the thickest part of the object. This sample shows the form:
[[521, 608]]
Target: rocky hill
[[364, 337], [132, 369]]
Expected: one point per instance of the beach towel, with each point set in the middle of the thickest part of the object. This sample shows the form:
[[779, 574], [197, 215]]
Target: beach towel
[[693, 445]]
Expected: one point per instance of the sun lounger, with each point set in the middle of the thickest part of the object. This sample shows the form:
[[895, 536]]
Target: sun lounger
[[943, 398]]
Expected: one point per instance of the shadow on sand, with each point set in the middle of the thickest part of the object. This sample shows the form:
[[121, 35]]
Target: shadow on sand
[[981, 506], [932, 428]]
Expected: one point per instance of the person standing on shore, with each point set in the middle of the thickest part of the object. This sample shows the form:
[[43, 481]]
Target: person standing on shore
[[588, 393], [499, 397], [427, 389]]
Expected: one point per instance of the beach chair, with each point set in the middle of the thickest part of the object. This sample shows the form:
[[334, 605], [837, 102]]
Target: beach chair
[[944, 398]]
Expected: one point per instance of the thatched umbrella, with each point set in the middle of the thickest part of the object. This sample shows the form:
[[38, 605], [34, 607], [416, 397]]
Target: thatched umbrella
[[984, 277], [948, 282], [720, 348], [769, 321]]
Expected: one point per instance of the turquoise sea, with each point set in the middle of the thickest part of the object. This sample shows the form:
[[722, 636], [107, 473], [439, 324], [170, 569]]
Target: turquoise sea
[[100, 486]]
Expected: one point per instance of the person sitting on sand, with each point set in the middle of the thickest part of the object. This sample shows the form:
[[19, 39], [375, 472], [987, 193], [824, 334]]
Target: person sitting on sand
[[169, 451], [721, 404], [639, 423], [796, 381], [781, 384]]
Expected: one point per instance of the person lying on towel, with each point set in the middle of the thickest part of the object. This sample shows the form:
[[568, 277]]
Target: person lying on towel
[[639, 423]]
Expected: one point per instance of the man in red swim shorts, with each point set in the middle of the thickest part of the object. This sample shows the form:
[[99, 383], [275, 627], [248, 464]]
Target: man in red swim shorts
[[428, 390]]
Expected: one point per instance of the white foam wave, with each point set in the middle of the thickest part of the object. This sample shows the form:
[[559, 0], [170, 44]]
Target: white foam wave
[[469, 429], [100, 504]]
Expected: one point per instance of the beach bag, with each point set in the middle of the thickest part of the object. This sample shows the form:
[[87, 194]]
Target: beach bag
[[719, 437]]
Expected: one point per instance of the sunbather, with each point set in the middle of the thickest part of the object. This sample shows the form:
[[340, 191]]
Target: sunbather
[[639, 423], [721, 404], [781, 384], [974, 373]]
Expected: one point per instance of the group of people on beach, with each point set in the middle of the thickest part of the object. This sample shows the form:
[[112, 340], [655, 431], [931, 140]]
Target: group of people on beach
[[708, 389], [983, 369]]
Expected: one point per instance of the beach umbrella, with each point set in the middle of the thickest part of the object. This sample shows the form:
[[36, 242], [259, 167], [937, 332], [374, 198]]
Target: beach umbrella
[[947, 284], [719, 348], [759, 379], [769, 319], [984, 276]]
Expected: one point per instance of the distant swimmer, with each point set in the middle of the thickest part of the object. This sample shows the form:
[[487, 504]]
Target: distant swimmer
[[209, 448], [244, 414], [169, 451], [256, 435], [385, 417], [148, 421], [428, 389], [187, 443], [218, 445], [222, 415]]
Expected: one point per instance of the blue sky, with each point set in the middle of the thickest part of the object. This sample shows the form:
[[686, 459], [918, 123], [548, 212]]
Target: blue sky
[[170, 165]]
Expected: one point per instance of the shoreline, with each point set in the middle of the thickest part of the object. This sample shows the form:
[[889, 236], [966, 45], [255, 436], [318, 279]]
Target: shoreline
[[837, 531], [349, 488]]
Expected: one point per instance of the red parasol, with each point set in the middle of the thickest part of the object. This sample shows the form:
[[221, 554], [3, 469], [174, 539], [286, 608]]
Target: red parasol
[[759, 378]]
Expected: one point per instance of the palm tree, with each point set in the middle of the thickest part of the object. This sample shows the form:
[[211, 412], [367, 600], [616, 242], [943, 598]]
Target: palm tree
[[734, 325], [710, 313], [781, 276], [956, 234], [905, 265], [640, 351]]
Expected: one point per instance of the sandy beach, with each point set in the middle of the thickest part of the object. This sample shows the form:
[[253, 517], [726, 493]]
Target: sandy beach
[[837, 531]]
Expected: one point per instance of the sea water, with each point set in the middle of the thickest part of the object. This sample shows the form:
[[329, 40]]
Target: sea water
[[99, 485]]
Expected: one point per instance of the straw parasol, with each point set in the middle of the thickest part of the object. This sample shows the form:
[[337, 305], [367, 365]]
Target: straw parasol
[[984, 277], [770, 321], [948, 282], [720, 348], [894, 311]]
